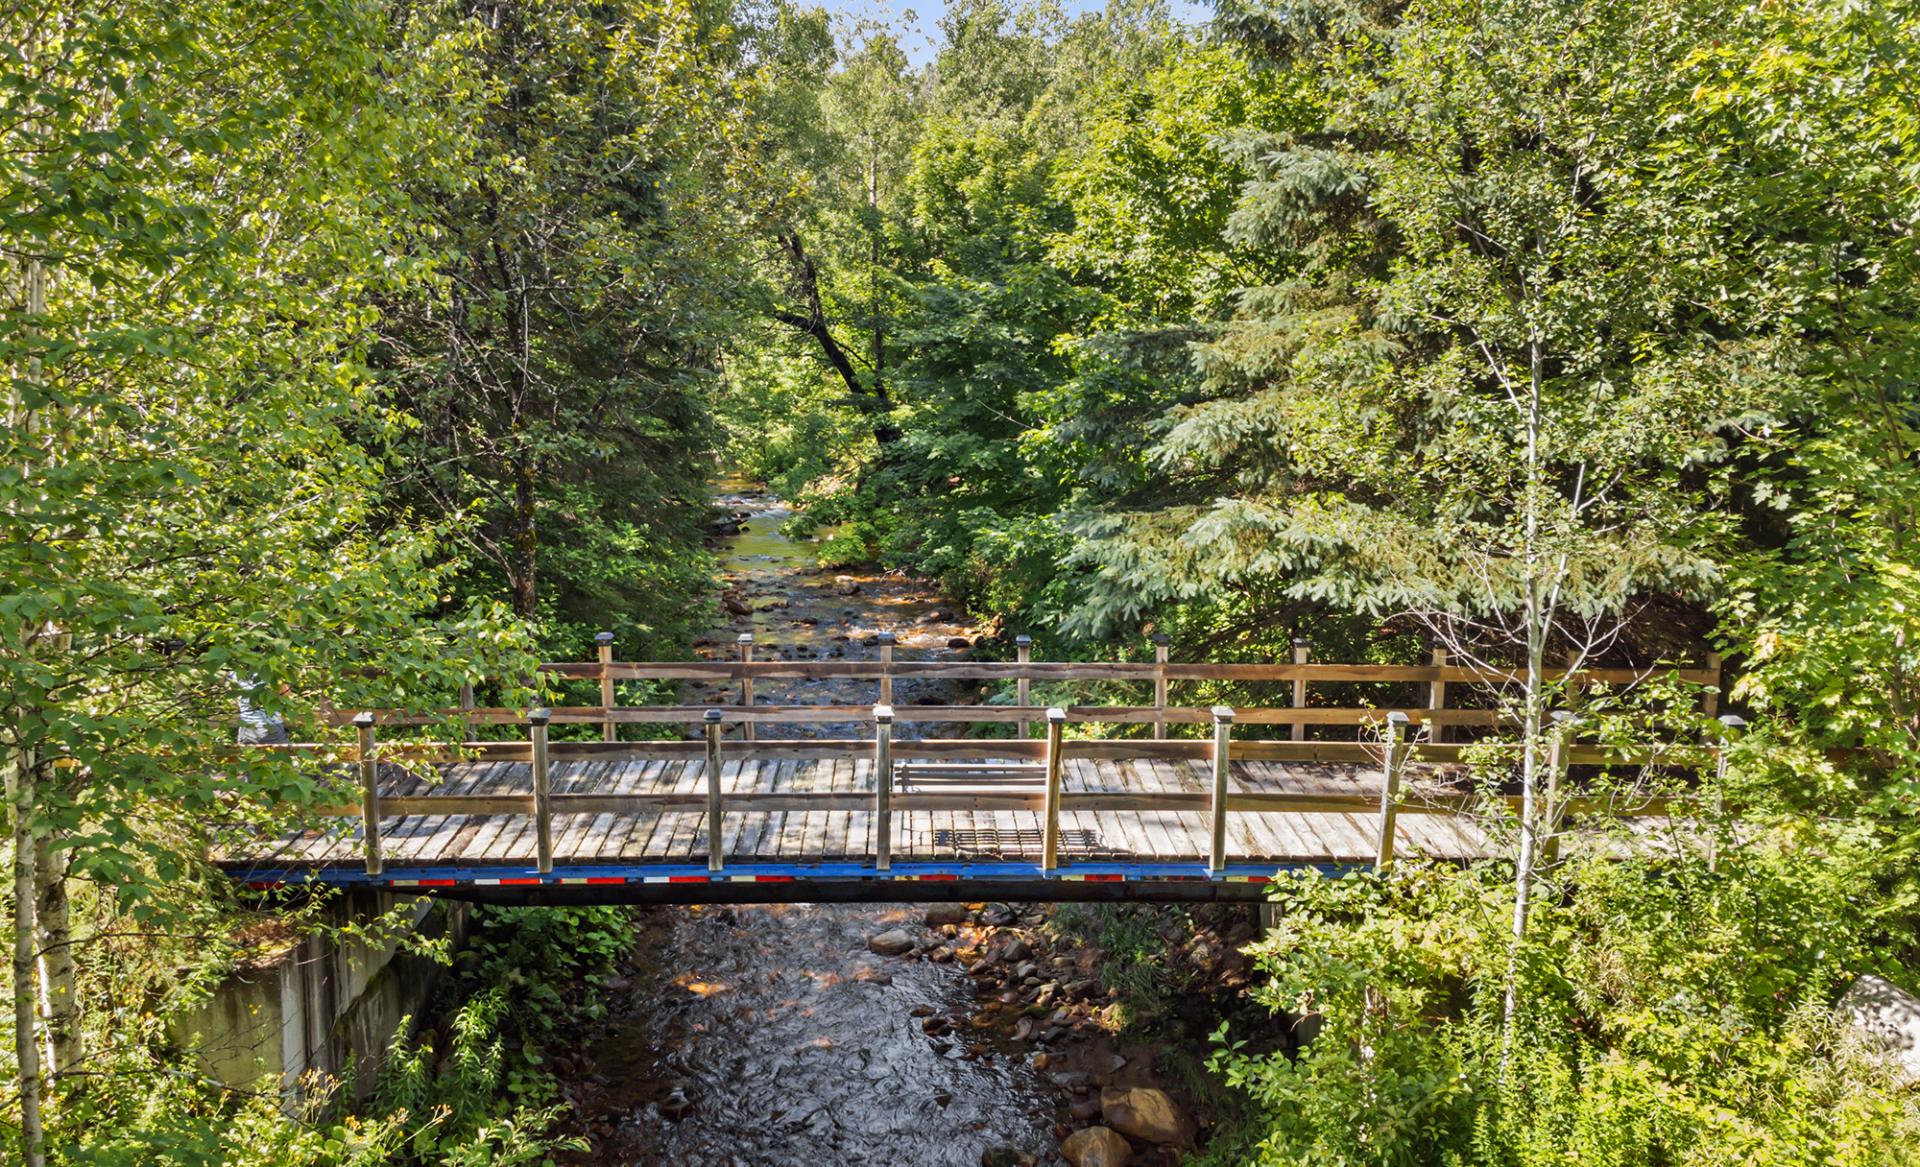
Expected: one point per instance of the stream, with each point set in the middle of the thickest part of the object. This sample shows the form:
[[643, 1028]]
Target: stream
[[771, 1034]]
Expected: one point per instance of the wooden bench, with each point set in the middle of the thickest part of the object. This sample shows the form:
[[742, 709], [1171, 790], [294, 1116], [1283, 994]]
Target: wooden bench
[[1022, 777]]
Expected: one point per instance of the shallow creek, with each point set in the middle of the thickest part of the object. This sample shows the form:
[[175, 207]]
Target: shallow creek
[[771, 1035]]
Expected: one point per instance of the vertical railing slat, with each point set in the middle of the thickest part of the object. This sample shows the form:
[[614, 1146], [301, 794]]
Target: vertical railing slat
[[747, 731], [1160, 684], [604, 642], [1023, 688], [369, 763], [1300, 687], [885, 641], [1056, 748], [1398, 747], [542, 792], [716, 857], [1222, 762], [882, 787], [1437, 698], [466, 704]]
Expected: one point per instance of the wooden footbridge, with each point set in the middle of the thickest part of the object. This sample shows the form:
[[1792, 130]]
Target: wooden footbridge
[[734, 814]]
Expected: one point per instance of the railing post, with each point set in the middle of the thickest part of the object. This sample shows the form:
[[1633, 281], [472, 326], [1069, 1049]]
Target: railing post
[[1300, 687], [466, 703], [1437, 697], [1730, 726], [882, 787], [1023, 688], [1397, 749], [746, 686], [1710, 700], [1564, 722], [369, 763], [604, 642], [716, 858], [1222, 743], [885, 641], [1160, 684], [542, 793], [1050, 839]]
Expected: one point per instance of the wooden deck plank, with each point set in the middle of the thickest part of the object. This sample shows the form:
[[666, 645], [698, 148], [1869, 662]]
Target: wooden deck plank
[[607, 827], [1249, 836], [587, 848], [1172, 833], [816, 774], [570, 829], [628, 843], [610, 831], [650, 844], [753, 824], [431, 841], [461, 845], [775, 775], [1097, 837], [517, 842], [834, 846], [485, 842], [1291, 837]]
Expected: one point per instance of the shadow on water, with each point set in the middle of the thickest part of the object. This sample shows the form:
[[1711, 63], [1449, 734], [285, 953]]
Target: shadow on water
[[770, 1035]]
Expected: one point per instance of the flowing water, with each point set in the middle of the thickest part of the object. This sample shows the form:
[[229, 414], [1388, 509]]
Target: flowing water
[[770, 1035]]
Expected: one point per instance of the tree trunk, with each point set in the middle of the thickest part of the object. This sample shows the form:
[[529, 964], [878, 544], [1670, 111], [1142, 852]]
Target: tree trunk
[[19, 780], [26, 1039], [1539, 621], [59, 997], [871, 397], [525, 539]]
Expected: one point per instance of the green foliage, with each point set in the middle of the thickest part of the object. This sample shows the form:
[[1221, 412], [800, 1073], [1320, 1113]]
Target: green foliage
[[190, 483], [1820, 112], [472, 1090], [1132, 941], [1668, 1013], [559, 360], [479, 1091]]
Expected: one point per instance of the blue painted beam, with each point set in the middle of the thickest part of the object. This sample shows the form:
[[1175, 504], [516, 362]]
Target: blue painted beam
[[694, 883]]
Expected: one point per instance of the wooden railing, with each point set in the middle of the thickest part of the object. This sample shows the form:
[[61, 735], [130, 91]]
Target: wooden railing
[[1391, 755], [1438, 679]]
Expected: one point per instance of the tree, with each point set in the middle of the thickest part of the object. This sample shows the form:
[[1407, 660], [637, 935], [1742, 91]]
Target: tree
[[198, 215], [1490, 394], [582, 225], [1812, 109]]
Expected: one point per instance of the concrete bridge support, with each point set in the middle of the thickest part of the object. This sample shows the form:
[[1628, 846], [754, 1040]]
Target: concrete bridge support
[[325, 1006]]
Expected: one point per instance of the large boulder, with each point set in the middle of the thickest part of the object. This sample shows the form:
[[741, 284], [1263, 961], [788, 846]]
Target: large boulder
[[1096, 1146], [1146, 1114], [892, 942], [1888, 1017], [938, 914]]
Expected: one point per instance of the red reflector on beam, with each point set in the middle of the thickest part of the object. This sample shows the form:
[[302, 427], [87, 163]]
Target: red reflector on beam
[[939, 877], [773, 879], [606, 879], [514, 882], [1106, 877], [686, 879]]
